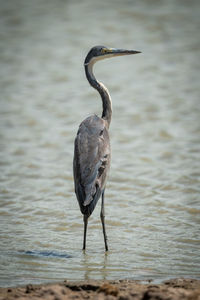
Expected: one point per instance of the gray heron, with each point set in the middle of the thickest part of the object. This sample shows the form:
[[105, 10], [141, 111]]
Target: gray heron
[[92, 145]]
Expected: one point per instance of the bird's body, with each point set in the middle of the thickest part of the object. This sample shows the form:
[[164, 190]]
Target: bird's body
[[91, 162], [92, 145]]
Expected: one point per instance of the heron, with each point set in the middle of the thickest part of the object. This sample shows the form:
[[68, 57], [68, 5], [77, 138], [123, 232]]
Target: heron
[[92, 152]]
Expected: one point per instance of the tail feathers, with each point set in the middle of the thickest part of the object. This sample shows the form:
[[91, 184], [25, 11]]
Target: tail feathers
[[87, 200], [90, 191]]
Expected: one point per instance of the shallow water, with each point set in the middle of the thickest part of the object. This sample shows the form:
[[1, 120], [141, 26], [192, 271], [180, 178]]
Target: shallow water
[[152, 196]]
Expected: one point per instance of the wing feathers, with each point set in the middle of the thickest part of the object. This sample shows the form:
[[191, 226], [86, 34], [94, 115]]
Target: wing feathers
[[91, 161]]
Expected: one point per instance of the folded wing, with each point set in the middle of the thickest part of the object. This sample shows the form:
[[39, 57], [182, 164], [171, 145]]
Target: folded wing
[[91, 162]]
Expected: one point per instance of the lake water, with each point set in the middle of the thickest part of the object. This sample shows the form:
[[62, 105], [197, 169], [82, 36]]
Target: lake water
[[152, 196]]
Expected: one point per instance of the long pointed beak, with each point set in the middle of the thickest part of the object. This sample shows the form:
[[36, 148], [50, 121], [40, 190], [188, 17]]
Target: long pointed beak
[[119, 52]]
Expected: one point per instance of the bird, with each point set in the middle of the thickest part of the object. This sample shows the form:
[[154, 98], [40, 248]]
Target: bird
[[92, 153]]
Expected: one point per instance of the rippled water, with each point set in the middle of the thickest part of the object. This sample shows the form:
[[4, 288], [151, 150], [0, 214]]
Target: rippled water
[[152, 196]]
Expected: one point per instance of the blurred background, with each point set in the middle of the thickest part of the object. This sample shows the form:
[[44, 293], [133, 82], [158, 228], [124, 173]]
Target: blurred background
[[152, 197]]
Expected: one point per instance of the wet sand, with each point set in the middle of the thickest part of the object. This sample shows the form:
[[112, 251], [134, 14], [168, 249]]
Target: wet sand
[[118, 289]]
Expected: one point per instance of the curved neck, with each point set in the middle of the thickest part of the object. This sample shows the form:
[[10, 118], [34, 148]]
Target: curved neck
[[106, 99]]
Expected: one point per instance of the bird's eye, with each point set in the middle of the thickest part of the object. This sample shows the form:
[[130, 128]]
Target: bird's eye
[[104, 50], [101, 132]]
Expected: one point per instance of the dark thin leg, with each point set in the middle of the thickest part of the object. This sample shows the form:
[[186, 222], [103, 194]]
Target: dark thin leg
[[102, 215], [85, 219]]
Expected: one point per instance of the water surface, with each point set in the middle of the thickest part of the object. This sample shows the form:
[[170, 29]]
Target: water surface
[[152, 196]]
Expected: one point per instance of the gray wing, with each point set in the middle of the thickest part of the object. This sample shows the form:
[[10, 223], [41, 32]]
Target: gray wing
[[91, 162]]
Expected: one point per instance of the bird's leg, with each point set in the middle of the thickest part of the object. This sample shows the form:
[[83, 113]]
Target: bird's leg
[[85, 219], [102, 216]]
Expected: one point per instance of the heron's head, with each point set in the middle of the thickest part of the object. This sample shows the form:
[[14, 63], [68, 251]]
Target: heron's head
[[102, 52]]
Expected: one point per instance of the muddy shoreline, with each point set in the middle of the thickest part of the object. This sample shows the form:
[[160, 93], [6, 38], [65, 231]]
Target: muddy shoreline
[[110, 290]]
